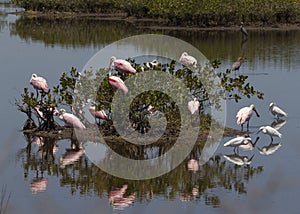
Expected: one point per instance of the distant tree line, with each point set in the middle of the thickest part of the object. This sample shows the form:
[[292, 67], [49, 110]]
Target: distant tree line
[[181, 12]]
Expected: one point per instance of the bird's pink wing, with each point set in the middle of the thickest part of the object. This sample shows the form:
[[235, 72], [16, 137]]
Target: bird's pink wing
[[72, 120], [117, 83], [124, 66], [243, 115], [39, 83]]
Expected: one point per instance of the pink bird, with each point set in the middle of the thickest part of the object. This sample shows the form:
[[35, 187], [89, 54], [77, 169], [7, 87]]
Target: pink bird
[[188, 60], [70, 119], [98, 114], [122, 65], [193, 105], [244, 115], [117, 83], [38, 83]]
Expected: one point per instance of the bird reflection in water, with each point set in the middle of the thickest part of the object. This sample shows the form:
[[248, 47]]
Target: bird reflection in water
[[117, 199], [38, 184], [239, 160], [190, 196], [71, 156], [278, 124], [270, 149], [249, 146]]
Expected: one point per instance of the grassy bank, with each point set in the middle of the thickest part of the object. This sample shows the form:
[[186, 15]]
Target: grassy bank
[[181, 12]]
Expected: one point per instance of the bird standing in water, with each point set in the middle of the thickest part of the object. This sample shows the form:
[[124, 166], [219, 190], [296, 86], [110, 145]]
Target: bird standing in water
[[244, 115], [269, 131], [236, 65], [243, 30], [276, 111], [70, 119]]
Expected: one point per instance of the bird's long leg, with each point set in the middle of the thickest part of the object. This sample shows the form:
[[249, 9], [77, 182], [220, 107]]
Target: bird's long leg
[[242, 127], [271, 139], [37, 94], [248, 125]]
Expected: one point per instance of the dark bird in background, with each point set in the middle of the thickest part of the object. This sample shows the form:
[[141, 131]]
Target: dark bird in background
[[243, 30], [236, 65]]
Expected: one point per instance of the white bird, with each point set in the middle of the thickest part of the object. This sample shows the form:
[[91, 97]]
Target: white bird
[[152, 64], [249, 146], [188, 60], [245, 114], [70, 119], [193, 105], [237, 141], [239, 160], [270, 149], [276, 111], [269, 131]]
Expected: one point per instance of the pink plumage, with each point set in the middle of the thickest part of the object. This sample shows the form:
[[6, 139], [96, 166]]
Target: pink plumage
[[38, 83], [98, 114], [117, 83], [70, 119], [188, 60], [122, 65], [245, 114]]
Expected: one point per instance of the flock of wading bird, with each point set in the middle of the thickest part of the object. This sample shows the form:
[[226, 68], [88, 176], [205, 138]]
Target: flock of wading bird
[[123, 67], [244, 115]]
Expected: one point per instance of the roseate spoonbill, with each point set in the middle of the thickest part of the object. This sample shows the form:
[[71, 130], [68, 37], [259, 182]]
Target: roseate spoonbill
[[244, 115], [188, 60], [122, 65], [239, 160], [276, 111], [237, 141], [98, 114], [236, 65], [193, 105], [38, 83], [243, 30], [249, 146], [270, 149], [269, 131], [117, 83], [70, 119]]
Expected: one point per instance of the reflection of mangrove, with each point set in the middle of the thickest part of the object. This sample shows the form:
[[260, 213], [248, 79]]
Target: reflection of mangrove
[[71, 32], [84, 177]]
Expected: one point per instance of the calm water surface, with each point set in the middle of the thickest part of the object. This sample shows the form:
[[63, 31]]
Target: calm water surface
[[39, 183]]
